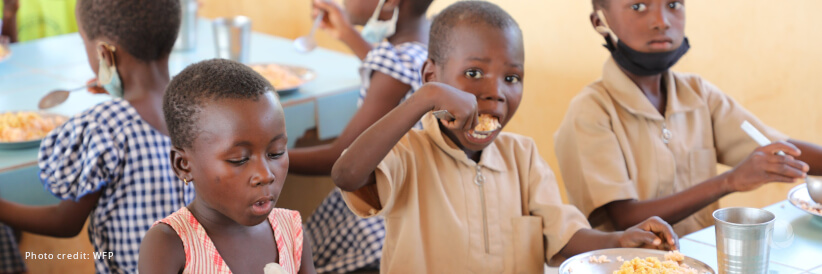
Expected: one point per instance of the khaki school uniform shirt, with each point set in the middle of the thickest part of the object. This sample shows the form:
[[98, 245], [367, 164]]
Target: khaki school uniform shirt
[[444, 213], [614, 145]]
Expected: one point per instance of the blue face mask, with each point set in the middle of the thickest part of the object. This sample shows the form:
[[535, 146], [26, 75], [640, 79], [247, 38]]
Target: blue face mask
[[107, 76], [375, 30]]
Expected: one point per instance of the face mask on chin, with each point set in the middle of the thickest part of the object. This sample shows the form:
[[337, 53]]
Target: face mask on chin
[[640, 63], [374, 31]]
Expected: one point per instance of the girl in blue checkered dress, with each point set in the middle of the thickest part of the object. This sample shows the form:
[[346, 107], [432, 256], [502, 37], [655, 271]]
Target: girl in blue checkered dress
[[390, 73], [110, 163]]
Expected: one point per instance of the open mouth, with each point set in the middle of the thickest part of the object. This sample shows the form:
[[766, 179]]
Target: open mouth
[[487, 126], [263, 206]]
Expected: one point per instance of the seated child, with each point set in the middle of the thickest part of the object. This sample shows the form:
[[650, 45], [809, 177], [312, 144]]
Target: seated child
[[457, 200], [229, 141], [390, 73], [109, 164], [644, 141]]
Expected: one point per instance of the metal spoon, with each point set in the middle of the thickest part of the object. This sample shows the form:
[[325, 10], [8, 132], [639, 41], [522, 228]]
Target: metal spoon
[[59, 96], [305, 44], [814, 188]]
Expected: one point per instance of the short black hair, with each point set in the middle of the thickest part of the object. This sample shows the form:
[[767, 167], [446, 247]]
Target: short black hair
[[146, 29], [204, 82], [420, 7], [468, 12]]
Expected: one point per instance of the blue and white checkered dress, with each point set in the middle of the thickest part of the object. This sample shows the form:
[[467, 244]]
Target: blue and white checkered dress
[[341, 241], [10, 259], [109, 148]]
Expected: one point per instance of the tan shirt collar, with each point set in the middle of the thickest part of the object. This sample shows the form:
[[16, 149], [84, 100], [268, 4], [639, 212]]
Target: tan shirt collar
[[681, 98], [490, 158]]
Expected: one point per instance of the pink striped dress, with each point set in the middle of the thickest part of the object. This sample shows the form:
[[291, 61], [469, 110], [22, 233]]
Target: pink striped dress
[[202, 256]]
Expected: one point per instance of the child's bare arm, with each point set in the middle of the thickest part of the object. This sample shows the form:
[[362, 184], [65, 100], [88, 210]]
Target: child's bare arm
[[10, 8], [355, 168], [653, 233], [761, 167], [307, 262], [65, 219], [384, 93], [161, 251]]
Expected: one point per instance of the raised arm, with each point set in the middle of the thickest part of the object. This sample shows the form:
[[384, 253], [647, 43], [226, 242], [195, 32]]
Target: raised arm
[[355, 168], [338, 26], [65, 219], [384, 93]]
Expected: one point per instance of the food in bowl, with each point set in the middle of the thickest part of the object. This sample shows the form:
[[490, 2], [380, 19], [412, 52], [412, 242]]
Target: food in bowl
[[652, 265], [27, 125], [280, 77]]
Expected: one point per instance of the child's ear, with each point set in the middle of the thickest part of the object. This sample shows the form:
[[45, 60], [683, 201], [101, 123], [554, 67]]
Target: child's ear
[[601, 25], [429, 69], [180, 164], [106, 52]]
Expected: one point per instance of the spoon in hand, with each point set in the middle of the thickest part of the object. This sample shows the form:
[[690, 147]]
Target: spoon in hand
[[305, 44]]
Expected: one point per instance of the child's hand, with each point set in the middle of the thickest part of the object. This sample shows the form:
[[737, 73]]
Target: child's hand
[[334, 20], [95, 89], [462, 105], [764, 165], [653, 233]]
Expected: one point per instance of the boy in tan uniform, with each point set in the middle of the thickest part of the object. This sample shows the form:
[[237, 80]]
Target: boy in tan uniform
[[457, 200], [644, 141]]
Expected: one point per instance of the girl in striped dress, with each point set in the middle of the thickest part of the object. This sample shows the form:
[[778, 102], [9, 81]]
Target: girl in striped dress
[[229, 141]]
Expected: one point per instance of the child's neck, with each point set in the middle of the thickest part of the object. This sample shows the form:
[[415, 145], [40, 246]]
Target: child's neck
[[473, 155], [411, 30], [653, 87], [144, 84]]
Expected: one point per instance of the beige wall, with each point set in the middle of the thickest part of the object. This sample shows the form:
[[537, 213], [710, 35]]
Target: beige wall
[[762, 53]]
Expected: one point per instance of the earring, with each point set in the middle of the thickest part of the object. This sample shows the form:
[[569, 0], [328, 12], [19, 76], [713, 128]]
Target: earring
[[185, 181]]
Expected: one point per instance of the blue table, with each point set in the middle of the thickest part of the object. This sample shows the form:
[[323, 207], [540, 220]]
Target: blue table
[[796, 252], [37, 67]]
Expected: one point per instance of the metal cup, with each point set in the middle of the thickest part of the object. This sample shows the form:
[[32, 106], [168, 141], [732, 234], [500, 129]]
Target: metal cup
[[232, 37], [187, 37], [743, 237]]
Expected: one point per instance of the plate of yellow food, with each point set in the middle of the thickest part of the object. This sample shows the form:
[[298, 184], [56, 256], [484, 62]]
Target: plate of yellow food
[[633, 260], [285, 78], [25, 129], [800, 198]]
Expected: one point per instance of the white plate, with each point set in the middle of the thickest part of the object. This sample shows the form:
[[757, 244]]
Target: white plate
[[29, 143], [798, 195], [580, 263], [304, 74]]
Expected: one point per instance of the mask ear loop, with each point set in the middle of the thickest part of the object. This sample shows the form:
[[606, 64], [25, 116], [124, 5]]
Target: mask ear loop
[[606, 30], [107, 74], [375, 16]]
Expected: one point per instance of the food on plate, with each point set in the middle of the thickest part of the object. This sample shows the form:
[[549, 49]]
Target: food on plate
[[26, 125], [280, 77], [808, 206], [651, 265], [3, 51]]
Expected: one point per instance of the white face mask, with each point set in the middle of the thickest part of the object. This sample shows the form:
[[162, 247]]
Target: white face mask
[[375, 30], [107, 76]]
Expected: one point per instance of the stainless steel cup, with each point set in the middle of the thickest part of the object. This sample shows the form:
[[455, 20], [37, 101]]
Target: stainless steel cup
[[743, 237], [232, 37], [187, 37]]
